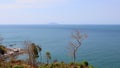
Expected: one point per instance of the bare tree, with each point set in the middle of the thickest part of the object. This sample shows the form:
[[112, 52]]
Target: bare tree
[[76, 43]]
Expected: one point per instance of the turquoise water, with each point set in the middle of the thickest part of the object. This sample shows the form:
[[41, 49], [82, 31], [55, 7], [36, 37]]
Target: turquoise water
[[101, 48]]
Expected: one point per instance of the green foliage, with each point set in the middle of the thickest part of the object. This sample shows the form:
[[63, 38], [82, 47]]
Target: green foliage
[[2, 49], [64, 65], [85, 63], [91, 66], [48, 56], [71, 63], [34, 50], [18, 66]]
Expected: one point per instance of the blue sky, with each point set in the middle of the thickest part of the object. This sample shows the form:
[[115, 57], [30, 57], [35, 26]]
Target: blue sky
[[60, 11]]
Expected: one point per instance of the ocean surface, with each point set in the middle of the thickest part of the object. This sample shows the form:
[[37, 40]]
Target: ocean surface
[[101, 48]]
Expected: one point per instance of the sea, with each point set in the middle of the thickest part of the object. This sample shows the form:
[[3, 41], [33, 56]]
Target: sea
[[101, 48]]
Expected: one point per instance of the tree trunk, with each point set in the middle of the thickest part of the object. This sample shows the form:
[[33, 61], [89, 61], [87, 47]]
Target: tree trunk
[[74, 56]]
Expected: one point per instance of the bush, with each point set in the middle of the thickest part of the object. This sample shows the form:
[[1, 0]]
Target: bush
[[18, 66], [91, 66], [85, 63]]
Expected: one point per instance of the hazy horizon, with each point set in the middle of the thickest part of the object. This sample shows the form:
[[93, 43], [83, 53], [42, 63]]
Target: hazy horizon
[[58, 24], [60, 11]]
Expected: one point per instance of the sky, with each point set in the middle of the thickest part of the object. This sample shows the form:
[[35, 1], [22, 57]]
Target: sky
[[60, 11]]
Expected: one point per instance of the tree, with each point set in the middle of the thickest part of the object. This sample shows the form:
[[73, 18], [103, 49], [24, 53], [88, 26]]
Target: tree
[[3, 50], [76, 43], [39, 50], [48, 57], [33, 51]]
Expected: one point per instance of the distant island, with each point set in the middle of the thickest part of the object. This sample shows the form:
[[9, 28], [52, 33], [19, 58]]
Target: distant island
[[53, 23]]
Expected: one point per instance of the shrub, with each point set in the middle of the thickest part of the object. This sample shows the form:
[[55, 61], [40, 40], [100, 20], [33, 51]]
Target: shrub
[[91, 66], [18, 66]]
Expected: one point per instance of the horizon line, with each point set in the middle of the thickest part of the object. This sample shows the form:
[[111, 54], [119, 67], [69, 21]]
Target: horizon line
[[59, 24]]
